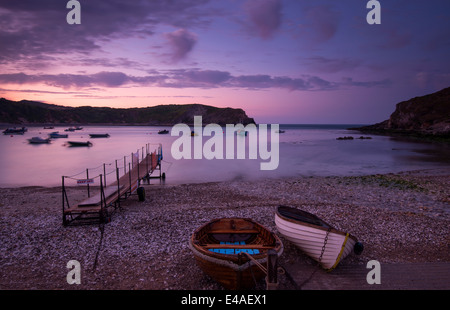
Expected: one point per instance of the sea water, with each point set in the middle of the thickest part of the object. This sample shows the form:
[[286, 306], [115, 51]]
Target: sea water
[[304, 150]]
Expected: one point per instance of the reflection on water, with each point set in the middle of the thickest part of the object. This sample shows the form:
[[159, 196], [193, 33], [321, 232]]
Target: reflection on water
[[303, 150]]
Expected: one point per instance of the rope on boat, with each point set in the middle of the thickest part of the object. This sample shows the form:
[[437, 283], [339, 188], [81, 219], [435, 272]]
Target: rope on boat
[[264, 269], [319, 260]]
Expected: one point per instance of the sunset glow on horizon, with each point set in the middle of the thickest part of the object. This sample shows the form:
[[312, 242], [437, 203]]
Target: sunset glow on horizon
[[282, 61]]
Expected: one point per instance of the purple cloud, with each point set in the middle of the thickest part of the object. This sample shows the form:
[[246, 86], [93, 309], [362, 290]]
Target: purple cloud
[[319, 23], [347, 81], [332, 65], [181, 42], [193, 78], [395, 39], [265, 16], [29, 28]]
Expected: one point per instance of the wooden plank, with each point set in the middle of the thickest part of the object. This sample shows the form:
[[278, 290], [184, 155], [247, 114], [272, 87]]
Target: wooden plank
[[233, 231], [77, 210], [236, 246], [96, 200], [112, 193], [272, 270]]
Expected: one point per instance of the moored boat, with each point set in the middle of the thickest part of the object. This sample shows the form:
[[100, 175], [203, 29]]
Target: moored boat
[[99, 135], [15, 131], [222, 248], [316, 238], [38, 140], [163, 132], [79, 143], [56, 134]]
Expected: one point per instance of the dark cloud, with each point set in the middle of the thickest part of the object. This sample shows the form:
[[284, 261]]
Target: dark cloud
[[193, 78], [264, 16], [347, 81], [395, 39], [318, 23], [331, 65], [181, 43], [30, 28]]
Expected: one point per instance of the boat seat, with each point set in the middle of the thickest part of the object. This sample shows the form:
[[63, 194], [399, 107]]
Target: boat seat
[[232, 250], [235, 251]]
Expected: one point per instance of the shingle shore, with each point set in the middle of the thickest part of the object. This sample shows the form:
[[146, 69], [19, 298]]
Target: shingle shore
[[400, 217]]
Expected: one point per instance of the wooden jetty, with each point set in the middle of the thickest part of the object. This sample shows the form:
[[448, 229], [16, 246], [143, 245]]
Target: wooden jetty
[[94, 209]]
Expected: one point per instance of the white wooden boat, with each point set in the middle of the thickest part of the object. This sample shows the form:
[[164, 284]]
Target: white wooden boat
[[316, 238]]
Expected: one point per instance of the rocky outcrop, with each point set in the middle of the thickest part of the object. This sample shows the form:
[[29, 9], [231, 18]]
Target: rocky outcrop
[[427, 115], [31, 112]]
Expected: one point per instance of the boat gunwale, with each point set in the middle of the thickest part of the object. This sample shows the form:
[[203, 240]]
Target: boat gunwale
[[330, 227]]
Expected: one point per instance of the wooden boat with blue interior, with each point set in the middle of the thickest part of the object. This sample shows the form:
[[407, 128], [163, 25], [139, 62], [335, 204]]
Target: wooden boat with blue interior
[[231, 251]]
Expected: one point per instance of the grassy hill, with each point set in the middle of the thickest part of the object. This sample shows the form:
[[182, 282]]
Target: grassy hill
[[32, 112]]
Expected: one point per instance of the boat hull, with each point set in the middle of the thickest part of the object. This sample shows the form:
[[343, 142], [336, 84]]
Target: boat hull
[[56, 135], [236, 270], [15, 131], [79, 144], [99, 135], [229, 275], [310, 238], [36, 140]]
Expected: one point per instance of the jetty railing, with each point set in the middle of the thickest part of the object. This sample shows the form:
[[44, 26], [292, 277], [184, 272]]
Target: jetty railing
[[116, 181]]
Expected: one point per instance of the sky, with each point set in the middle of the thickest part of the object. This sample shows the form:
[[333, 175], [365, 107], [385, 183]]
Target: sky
[[282, 61]]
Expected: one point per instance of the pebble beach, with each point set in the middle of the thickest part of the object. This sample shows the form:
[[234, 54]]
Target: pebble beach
[[400, 218]]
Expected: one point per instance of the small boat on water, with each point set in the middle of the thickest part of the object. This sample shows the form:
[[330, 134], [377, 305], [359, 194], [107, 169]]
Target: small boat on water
[[79, 143], [56, 134], [222, 248], [280, 131], [316, 238], [38, 140], [15, 131], [49, 127], [99, 135], [70, 129], [163, 132]]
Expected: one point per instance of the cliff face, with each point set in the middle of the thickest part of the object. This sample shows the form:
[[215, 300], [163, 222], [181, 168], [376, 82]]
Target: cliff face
[[426, 115], [31, 112]]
